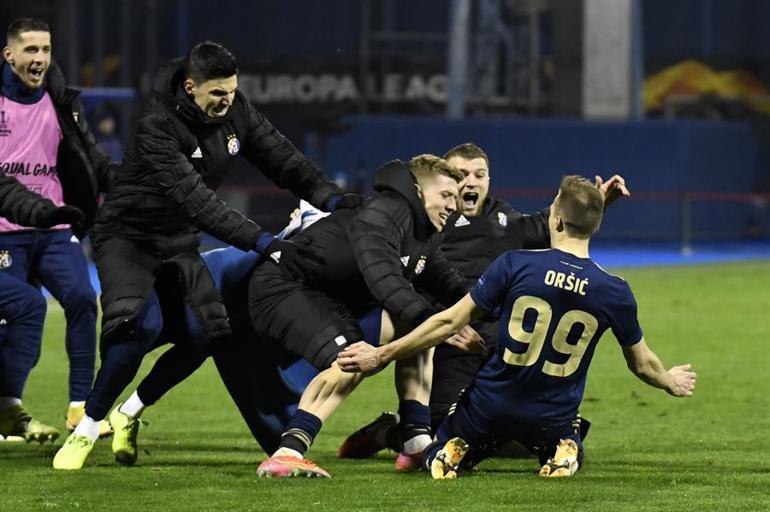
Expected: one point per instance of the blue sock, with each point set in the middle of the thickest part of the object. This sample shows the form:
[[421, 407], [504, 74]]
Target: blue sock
[[415, 419], [301, 431]]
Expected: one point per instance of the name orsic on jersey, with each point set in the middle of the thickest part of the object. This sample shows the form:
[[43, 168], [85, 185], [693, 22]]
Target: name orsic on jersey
[[570, 283]]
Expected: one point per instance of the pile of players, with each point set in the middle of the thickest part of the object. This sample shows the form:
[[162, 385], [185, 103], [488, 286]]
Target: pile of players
[[353, 283]]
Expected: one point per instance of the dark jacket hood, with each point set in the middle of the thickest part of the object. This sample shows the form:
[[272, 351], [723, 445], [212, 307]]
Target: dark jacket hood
[[396, 177], [168, 95]]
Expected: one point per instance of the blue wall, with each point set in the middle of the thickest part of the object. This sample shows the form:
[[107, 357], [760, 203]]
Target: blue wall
[[659, 159]]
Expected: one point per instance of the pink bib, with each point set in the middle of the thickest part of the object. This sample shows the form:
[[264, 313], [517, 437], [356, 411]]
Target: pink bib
[[29, 139]]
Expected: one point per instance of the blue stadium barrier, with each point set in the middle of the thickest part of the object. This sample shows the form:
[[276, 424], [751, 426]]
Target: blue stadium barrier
[[663, 162]]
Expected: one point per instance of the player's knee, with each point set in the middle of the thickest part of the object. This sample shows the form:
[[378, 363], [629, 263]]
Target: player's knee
[[322, 350], [80, 301], [128, 319], [33, 305]]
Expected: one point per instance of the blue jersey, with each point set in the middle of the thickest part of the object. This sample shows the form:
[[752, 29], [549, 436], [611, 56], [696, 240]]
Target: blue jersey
[[554, 308]]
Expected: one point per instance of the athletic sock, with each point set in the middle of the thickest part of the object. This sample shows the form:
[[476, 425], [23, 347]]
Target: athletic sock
[[6, 402], [414, 425], [75, 405], [133, 406], [88, 427], [300, 432]]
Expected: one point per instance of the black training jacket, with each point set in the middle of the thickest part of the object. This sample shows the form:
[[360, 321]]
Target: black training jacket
[[84, 169], [375, 254], [471, 244], [19, 204], [180, 156]]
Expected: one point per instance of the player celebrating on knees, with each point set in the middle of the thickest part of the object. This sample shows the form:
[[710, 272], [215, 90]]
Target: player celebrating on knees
[[554, 307]]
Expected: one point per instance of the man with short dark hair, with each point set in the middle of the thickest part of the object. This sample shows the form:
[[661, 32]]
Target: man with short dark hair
[[46, 144], [554, 306], [148, 230]]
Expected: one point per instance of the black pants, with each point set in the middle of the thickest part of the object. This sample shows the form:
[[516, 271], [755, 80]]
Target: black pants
[[298, 318]]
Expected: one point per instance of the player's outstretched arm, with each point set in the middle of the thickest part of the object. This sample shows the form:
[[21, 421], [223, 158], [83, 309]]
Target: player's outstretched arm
[[362, 357], [645, 364]]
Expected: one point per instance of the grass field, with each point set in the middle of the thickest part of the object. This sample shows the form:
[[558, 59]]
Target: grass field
[[646, 450]]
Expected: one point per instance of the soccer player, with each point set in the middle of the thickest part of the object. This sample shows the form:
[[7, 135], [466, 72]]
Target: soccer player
[[46, 144], [485, 229], [148, 229], [22, 310], [372, 258], [554, 307]]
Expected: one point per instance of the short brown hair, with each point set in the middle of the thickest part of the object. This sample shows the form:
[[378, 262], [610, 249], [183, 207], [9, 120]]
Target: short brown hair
[[467, 150], [424, 166], [580, 204]]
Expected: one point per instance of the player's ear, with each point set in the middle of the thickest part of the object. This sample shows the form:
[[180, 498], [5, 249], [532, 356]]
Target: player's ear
[[419, 190], [7, 55], [189, 86], [559, 224]]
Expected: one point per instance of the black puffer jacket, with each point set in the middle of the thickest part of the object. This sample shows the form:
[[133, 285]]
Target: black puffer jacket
[[180, 156], [84, 169], [373, 255], [19, 204]]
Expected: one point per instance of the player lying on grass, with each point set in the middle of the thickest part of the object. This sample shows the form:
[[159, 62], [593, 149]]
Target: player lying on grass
[[554, 307]]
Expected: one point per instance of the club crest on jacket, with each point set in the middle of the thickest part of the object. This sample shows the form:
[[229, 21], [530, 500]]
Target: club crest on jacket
[[5, 259], [233, 144]]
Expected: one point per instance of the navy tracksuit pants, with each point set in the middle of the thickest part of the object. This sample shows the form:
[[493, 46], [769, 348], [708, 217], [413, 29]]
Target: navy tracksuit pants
[[51, 258], [22, 311]]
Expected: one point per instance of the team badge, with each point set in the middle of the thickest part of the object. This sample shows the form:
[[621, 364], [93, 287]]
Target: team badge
[[420, 265], [233, 144], [502, 219], [5, 259]]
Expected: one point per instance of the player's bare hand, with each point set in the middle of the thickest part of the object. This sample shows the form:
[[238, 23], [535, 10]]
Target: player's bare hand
[[359, 357], [612, 189], [467, 340], [684, 380]]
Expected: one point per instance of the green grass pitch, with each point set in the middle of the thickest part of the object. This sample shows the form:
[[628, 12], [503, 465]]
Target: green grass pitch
[[646, 450]]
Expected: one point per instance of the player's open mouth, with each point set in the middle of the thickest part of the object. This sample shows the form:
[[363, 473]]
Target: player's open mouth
[[443, 218], [220, 110], [36, 74], [470, 199]]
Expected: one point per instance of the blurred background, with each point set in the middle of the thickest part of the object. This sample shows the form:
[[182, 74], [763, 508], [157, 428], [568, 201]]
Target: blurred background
[[672, 95]]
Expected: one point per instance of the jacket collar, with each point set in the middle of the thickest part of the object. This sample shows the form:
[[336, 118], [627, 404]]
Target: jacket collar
[[15, 90]]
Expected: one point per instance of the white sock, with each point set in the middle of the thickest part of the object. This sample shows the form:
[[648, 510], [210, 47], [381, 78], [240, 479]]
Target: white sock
[[9, 401], [74, 405], [133, 406], [417, 444], [287, 452], [88, 427]]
